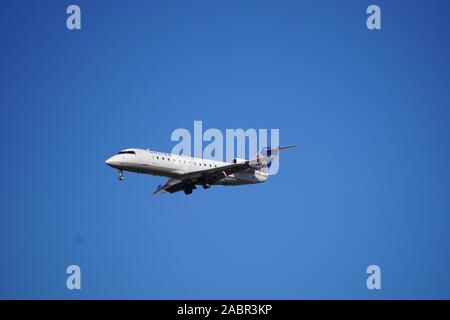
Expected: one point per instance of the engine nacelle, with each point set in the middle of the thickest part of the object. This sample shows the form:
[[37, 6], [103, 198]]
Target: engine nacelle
[[238, 160]]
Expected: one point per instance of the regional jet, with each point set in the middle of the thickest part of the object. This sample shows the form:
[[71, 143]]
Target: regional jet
[[185, 173]]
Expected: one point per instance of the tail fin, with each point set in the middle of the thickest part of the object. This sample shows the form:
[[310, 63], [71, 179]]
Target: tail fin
[[266, 155]]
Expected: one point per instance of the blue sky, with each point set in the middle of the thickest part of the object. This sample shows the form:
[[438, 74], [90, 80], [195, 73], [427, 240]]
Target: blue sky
[[367, 184]]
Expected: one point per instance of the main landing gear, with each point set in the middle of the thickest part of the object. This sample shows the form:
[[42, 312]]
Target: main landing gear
[[121, 177], [188, 189]]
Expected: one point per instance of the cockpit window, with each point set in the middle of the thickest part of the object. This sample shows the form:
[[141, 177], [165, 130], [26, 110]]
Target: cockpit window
[[127, 152]]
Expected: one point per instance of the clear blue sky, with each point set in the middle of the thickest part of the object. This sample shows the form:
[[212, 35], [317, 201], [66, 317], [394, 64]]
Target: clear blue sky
[[368, 183]]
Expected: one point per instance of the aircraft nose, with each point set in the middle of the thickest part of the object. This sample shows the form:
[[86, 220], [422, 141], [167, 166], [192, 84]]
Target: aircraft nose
[[109, 161]]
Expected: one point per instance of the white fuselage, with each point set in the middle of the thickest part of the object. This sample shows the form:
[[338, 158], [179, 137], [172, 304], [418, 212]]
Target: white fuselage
[[174, 166]]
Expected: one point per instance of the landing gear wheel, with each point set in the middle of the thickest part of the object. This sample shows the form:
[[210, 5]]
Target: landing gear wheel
[[206, 186], [188, 191], [121, 177]]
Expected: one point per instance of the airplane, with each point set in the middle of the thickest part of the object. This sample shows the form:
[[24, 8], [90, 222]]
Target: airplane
[[185, 173]]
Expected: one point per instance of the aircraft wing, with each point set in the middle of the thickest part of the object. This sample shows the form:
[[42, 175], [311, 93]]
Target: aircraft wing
[[219, 171], [171, 185], [213, 174]]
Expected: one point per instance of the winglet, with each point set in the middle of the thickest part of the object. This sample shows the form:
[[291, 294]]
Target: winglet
[[159, 190], [162, 188]]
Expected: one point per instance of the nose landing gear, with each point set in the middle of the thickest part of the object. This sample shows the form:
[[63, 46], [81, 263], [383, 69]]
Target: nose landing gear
[[121, 177]]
